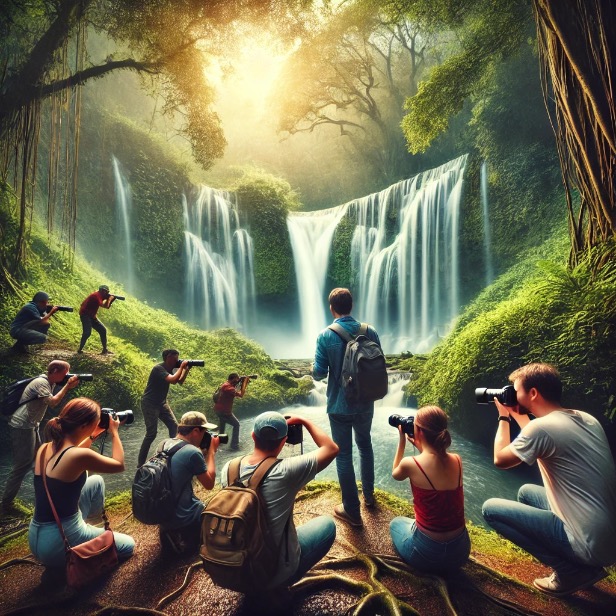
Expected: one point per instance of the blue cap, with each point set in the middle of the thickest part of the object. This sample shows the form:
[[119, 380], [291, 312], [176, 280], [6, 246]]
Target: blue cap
[[270, 426], [40, 296]]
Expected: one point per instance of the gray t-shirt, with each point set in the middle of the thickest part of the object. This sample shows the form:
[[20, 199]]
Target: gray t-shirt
[[579, 476], [28, 416], [279, 489], [185, 464]]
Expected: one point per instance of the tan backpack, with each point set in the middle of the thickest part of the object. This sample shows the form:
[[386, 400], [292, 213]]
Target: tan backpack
[[237, 549]]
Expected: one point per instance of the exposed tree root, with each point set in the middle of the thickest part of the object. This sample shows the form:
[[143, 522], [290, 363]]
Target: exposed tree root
[[179, 590]]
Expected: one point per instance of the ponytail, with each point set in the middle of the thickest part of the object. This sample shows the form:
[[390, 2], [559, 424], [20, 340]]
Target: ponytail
[[432, 421], [76, 414]]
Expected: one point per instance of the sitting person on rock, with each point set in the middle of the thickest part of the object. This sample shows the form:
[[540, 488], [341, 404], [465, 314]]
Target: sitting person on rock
[[436, 540]]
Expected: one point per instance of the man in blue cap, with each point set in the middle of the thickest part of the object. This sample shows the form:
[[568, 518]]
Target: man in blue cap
[[310, 542], [31, 324]]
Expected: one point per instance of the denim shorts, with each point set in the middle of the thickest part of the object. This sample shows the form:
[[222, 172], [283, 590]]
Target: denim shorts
[[424, 553]]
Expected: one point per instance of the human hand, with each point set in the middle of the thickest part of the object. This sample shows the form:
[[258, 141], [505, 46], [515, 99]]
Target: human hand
[[72, 382], [504, 411]]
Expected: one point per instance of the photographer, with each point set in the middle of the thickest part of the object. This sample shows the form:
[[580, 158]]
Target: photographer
[[31, 324], [183, 533], [89, 321], [568, 523], [436, 540], [25, 421], [234, 387], [154, 401], [76, 496]]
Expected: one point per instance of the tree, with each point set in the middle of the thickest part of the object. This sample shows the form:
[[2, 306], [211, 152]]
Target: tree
[[45, 58], [577, 47], [352, 73]]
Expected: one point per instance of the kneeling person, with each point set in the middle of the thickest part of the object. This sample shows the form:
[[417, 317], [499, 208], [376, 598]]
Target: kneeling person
[[182, 533], [302, 547]]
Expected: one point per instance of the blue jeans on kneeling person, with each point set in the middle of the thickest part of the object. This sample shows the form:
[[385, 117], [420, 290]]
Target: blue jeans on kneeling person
[[424, 553], [46, 541]]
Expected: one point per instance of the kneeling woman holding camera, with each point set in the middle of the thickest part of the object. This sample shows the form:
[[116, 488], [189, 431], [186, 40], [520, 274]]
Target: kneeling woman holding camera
[[75, 495], [437, 539]]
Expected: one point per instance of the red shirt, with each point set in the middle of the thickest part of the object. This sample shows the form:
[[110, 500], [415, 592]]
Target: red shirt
[[91, 304], [228, 393], [439, 511]]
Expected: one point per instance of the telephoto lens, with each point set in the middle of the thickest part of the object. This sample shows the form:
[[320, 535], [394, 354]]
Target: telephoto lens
[[200, 363], [506, 396], [81, 377], [206, 440], [64, 308], [125, 417], [119, 297]]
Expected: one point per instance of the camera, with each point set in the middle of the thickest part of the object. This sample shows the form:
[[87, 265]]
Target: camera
[[81, 377], [506, 396], [124, 416], [207, 439], [191, 362], [295, 434], [407, 423], [64, 308], [119, 297], [252, 377]]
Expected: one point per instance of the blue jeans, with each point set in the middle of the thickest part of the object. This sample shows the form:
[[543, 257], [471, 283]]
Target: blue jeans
[[46, 542], [424, 553], [315, 539], [531, 524], [342, 427], [32, 332]]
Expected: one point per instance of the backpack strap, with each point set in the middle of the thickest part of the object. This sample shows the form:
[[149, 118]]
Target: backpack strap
[[258, 475], [343, 333], [170, 452]]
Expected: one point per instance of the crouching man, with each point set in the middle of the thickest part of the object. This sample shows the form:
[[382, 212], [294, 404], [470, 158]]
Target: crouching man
[[181, 535], [304, 546]]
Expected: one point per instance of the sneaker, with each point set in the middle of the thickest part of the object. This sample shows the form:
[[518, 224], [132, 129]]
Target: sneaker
[[79, 350], [369, 501], [559, 586], [339, 512], [106, 352]]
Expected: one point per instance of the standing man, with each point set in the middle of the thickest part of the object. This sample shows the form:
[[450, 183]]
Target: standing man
[[302, 547], [25, 421], [31, 324], [89, 320], [182, 534], [154, 401], [345, 419], [569, 523], [223, 408]]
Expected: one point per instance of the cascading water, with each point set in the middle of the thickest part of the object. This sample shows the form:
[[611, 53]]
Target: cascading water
[[487, 237], [406, 275], [220, 286], [123, 208]]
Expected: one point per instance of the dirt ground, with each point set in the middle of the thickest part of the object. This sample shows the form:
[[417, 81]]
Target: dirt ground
[[485, 586]]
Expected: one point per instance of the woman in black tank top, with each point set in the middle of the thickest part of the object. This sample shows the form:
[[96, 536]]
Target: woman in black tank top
[[76, 496]]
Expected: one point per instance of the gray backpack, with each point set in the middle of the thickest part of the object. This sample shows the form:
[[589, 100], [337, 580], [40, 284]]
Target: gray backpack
[[364, 371]]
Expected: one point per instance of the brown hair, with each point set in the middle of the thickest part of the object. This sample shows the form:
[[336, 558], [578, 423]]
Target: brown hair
[[543, 377], [341, 300], [432, 421], [76, 414]]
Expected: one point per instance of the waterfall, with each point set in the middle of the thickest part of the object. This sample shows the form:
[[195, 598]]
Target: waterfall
[[406, 274], [487, 239], [311, 235], [123, 209], [219, 278]]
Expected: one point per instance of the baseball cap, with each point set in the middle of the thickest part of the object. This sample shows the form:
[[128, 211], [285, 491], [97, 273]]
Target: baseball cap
[[270, 426], [194, 419], [103, 287], [40, 296]]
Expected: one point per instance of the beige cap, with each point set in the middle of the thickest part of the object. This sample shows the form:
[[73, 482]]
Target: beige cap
[[195, 419]]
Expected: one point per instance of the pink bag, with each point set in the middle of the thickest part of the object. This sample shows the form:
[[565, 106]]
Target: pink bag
[[89, 560]]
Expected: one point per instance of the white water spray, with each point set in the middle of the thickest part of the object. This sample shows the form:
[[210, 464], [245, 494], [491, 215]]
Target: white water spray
[[487, 236], [123, 210]]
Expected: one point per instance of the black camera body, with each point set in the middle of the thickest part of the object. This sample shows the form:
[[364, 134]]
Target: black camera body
[[407, 423], [207, 439], [200, 363], [64, 308], [295, 433], [120, 298], [506, 396], [124, 416], [252, 377]]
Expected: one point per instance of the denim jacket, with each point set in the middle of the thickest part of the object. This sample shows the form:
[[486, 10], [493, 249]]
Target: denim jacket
[[328, 360]]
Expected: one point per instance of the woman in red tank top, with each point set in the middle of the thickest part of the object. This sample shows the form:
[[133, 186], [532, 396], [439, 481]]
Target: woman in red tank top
[[437, 539]]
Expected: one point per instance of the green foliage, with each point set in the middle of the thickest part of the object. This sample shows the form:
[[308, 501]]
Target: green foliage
[[340, 274], [137, 334], [264, 202]]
